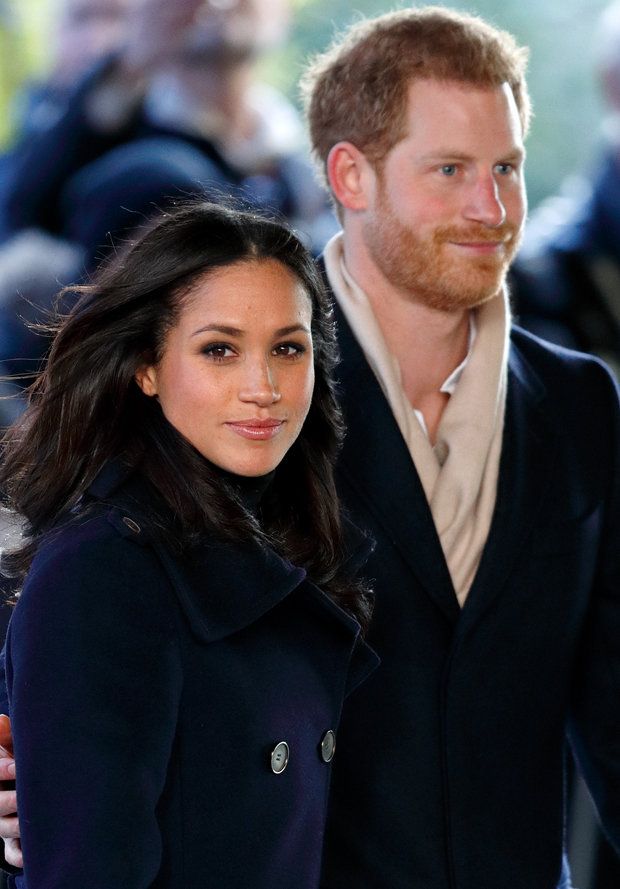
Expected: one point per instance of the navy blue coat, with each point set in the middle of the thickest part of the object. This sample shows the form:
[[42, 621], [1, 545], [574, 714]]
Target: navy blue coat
[[147, 694], [451, 765]]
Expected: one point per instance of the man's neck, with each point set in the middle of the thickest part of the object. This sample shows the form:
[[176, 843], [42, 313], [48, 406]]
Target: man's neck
[[428, 344]]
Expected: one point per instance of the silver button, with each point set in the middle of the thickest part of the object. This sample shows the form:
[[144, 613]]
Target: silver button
[[328, 746], [279, 758], [133, 526]]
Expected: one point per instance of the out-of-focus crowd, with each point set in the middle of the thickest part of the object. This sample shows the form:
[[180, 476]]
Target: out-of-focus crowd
[[146, 102], [566, 281]]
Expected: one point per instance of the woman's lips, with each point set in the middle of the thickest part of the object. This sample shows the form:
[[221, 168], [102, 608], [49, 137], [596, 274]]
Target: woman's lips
[[257, 430]]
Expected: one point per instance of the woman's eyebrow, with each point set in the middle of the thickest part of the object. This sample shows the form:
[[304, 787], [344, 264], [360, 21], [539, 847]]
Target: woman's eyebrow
[[219, 328], [294, 328], [237, 332]]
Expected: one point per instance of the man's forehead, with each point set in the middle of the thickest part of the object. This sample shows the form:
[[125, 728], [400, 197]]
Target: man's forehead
[[446, 103], [451, 89]]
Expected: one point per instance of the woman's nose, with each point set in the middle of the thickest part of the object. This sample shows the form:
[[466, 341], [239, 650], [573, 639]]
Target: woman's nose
[[259, 384]]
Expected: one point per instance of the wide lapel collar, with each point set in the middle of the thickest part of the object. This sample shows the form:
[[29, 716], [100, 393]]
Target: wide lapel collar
[[221, 587], [528, 450], [376, 464], [224, 588]]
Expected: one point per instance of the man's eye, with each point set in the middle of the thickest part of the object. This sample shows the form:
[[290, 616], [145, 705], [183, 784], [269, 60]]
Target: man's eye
[[448, 169], [504, 169]]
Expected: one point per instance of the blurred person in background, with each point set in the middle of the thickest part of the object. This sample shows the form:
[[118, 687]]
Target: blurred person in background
[[32, 269], [566, 280], [34, 264], [178, 109], [82, 32]]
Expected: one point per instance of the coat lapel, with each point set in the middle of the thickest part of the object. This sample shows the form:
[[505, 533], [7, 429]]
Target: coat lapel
[[224, 587], [376, 465], [528, 449]]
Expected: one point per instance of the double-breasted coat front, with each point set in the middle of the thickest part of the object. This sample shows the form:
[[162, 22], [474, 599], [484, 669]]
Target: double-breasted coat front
[[172, 717]]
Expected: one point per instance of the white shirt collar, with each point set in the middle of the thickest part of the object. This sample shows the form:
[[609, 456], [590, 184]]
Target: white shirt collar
[[450, 384]]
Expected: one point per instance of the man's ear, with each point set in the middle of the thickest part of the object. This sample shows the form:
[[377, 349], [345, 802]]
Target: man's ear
[[350, 176], [146, 378]]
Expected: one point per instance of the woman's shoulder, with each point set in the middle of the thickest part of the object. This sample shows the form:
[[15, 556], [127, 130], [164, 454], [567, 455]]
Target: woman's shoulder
[[95, 606], [99, 530], [101, 550]]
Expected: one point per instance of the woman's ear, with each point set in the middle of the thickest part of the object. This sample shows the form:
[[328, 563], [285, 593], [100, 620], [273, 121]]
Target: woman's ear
[[146, 378]]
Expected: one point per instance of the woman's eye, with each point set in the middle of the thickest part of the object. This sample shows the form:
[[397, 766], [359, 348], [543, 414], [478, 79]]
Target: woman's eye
[[289, 350], [218, 351]]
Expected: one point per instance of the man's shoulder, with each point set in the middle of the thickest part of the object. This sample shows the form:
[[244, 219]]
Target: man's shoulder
[[545, 356], [567, 377]]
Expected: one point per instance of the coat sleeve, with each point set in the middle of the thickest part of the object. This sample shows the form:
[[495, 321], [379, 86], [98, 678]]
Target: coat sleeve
[[594, 725], [94, 679]]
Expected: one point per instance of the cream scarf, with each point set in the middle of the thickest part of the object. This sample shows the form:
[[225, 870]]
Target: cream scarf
[[459, 474]]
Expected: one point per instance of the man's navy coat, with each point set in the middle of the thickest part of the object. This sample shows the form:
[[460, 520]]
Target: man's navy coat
[[148, 694], [452, 767]]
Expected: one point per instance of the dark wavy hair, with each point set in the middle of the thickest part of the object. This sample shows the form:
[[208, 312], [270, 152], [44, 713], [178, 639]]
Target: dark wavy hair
[[85, 408]]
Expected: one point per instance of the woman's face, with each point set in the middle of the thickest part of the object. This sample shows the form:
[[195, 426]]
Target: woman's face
[[236, 373]]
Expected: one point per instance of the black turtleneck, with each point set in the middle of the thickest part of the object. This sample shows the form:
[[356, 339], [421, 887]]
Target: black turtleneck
[[249, 489]]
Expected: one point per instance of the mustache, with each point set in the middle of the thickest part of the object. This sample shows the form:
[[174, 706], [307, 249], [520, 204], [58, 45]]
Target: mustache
[[507, 232]]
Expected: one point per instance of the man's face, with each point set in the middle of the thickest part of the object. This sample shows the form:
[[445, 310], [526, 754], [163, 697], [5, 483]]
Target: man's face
[[448, 202]]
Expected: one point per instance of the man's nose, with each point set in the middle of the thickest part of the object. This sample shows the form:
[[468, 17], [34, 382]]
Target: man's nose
[[485, 204], [259, 384]]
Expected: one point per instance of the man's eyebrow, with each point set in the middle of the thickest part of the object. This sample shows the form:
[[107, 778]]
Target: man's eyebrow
[[518, 153], [238, 332], [445, 154]]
